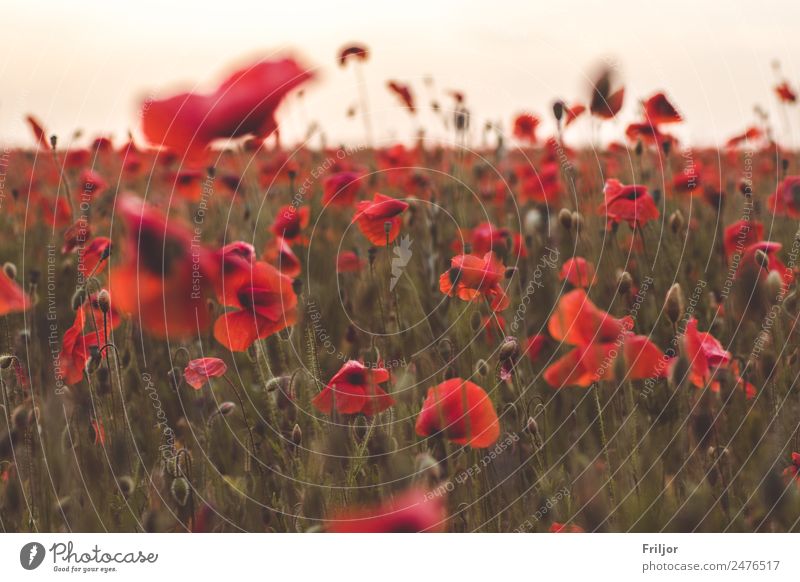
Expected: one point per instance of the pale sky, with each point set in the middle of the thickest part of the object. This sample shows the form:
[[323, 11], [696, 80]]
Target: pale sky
[[87, 63]]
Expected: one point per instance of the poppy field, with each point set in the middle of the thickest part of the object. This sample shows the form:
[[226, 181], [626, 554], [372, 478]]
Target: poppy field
[[206, 328]]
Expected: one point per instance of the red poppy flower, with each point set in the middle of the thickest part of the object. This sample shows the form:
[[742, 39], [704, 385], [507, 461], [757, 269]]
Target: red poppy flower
[[599, 339], [786, 200], [658, 110], [356, 52], [12, 297], [793, 470], [411, 512], [525, 126], [354, 389], [372, 217], [244, 104], [534, 346], [557, 527], [540, 186], [605, 102], [92, 257], [750, 135], [632, 204], [474, 278], [749, 265], [341, 189], [264, 303], [648, 133], [486, 237], [462, 411], [348, 262], [688, 180], [290, 222], [88, 331], [573, 113], [740, 235], [279, 254], [77, 233], [165, 275], [403, 92], [99, 432], [198, 372], [38, 132], [91, 184], [785, 93], [578, 271], [187, 183]]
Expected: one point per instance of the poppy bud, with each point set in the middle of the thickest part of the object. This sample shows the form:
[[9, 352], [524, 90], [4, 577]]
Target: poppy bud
[[676, 221], [126, 486], [226, 408], [211, 172], [774, 285], [746, 188], [34, 276], [481, 368], [509, 348], [281, 382], [673, 306], [297, 435], [558, 110], [78, 298], [762, 259], [53, 141], [533, 222], [93, 362], [784, 164], [565, 218], [445, 348], [577, 220], [5, 361], [10, 270], [624, 283], [180, 490], [104, 301]]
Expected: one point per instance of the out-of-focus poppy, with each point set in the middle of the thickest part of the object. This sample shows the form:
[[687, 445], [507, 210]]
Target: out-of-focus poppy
[[403, 92], [199, 372], [38, 132], [279, 254], [688, 180], [486, 237], [341, 189], [87, 333], [573, 113], [348, 262], [751, 269], [752, 134], [785, 93], [165, 276], [525, 126], [740, 235], [606, 102], [355, 389], [578, 272], [187, 183], [786, 200], [462, 411], [648, 133], [599, 339], [411, 512], [474, 278], [290, 222], [542, 186], [91, 184], [263, 300], [658, 110], [373, 216], [357, 52], [557, 527], [92, 258], [12, 297], [793, 470], [244, 104], [632, 204], [534, 346]]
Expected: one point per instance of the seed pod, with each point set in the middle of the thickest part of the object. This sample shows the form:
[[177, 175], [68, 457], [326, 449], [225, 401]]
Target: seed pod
[[509, 348], [445, 347], [674, 304], [565, 218], [10, 270], [180, 490], [297, 435], [624, 283], [104, 301], [126, 486], [226, 408], [558, 110]]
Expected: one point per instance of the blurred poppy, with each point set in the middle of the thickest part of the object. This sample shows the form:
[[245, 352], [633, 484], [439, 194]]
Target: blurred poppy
[[279, 254], [557, 527], [525, 126], [534, 346], [354, 389], [462, 411], [606, 102], [632, 204], [340, 189], [793, 470], [91, 184], [290, 222], [348, 262], [740, 235], [372, 218], [92, 258], [38, 132], [573, 113], [474, 278], [411, 512], [403, 92], [658, 110], [12, 297], [578, 272], [786, 200], [357, 52], [198, 372], [785, 93]]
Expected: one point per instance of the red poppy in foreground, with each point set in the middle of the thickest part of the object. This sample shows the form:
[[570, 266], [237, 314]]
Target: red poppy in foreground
[[659, 110], [786, 200], [264, 303], [12, 297], [474, 278], [165, 278], [411, 512], [372, 218], [599, 339], [462, 411], [578, 272], [740, 235], [631, 204], [557, 527], [353, 389], [198, 372], [87, 333], [244, 104], [525, 126]]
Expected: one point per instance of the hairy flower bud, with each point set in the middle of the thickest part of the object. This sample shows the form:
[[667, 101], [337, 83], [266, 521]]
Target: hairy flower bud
[[674, 304], [565, 218]]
